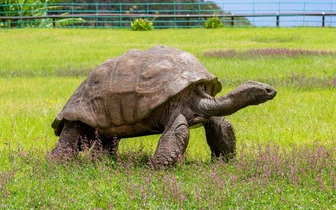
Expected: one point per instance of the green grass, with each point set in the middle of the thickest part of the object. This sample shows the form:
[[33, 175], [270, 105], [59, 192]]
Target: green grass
[[286, 147], [45, 52]]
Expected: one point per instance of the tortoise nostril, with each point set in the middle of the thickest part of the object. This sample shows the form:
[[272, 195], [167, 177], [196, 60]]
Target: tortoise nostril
[[269, 90]]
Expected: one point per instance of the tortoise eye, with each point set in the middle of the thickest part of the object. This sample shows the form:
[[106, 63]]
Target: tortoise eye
[[203, 88]]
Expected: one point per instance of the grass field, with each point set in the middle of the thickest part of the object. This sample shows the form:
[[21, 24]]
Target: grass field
[[286, 147]]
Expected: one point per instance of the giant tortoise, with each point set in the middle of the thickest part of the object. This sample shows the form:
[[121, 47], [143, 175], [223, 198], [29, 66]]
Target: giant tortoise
[[161, 90]]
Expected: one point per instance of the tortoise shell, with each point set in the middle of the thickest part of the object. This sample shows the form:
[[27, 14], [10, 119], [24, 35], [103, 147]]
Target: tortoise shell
[[126, 89]]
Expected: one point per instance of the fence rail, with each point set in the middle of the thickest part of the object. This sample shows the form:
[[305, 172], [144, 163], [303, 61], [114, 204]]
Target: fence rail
[[164, 15]]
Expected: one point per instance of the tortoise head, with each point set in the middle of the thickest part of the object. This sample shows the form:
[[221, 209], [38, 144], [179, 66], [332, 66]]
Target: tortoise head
[[249, 93], [255, 93]]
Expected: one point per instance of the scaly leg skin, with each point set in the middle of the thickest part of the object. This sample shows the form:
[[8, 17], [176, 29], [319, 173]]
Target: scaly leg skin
[[172, 144], [71, 140], [221, 138]]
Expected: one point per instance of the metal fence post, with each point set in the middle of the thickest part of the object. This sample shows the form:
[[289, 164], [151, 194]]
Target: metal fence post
[[304, 16], [72, 12], [46, 12], [120, 19], [253, 14], [147, 10], [174, 14], [277, 20], [21, 16], [199, 14], [323, 19], [96, 15], [277, 17], [54, 21]]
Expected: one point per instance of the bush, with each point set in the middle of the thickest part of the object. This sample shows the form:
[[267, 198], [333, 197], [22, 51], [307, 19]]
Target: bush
[[142, 25], [213, 22]]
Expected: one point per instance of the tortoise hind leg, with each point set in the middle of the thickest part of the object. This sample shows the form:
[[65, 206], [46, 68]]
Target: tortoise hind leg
[[221, 138], [172, 143], [110, 146]]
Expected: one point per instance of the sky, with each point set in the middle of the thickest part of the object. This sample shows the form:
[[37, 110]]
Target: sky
[[274, 6]]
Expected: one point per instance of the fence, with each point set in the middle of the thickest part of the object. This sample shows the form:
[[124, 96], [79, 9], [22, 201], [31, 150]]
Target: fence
[[167, 15]]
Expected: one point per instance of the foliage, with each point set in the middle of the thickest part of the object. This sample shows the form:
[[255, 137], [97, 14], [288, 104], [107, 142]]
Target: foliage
[[142, 24], [214, 22], [36, 8]]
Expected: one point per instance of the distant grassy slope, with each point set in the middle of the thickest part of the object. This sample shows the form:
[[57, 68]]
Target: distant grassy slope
[[46, 52]]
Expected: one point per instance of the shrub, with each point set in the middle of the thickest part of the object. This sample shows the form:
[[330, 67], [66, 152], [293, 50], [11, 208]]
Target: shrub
[[142, 25], [213, 22]]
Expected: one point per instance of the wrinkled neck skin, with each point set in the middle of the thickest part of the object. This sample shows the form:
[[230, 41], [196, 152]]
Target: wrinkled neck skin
[[225, 105]]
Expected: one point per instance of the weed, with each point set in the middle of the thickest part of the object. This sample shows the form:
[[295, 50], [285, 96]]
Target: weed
[[276, 52], [214, 22], [142, 24]]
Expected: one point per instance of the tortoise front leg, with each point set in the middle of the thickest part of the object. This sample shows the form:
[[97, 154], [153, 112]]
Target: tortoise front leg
[[221, 138], [173, 143], [71, 139]]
